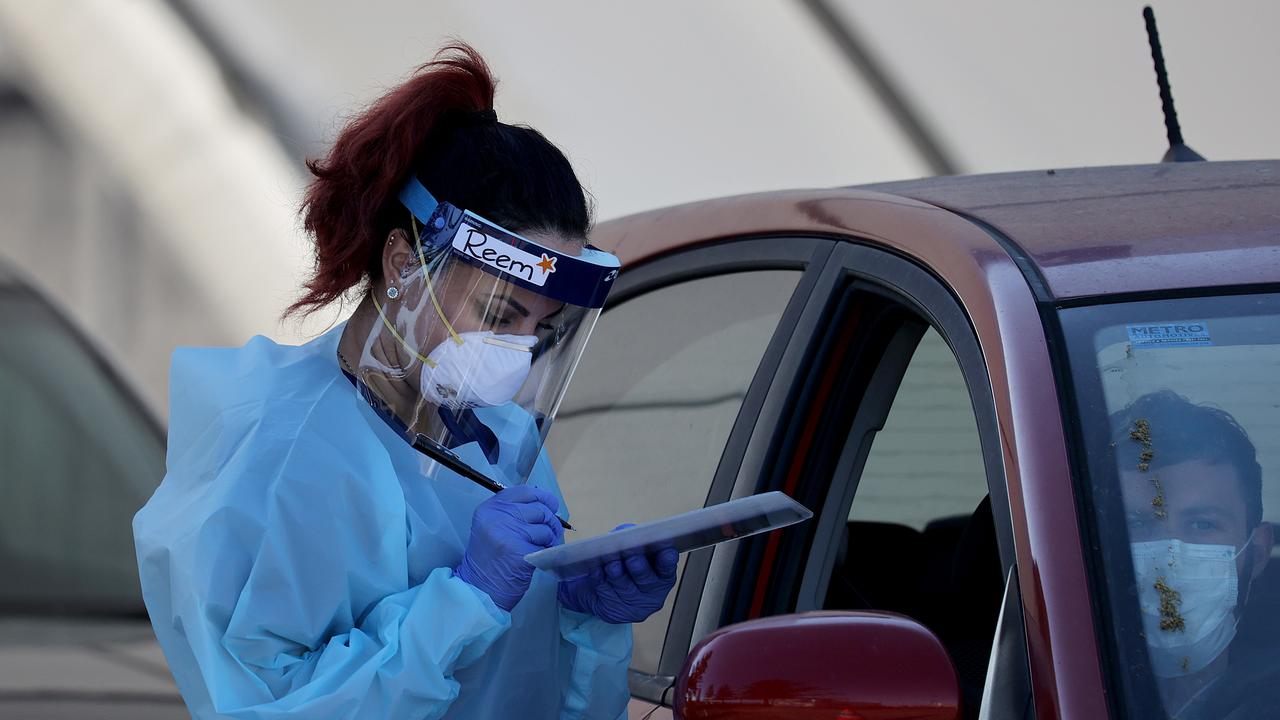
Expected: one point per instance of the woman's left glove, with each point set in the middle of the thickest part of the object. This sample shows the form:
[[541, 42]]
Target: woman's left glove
[[623, 591]]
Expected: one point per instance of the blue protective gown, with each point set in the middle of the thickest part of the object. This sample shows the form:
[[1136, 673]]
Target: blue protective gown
[[296, 561]]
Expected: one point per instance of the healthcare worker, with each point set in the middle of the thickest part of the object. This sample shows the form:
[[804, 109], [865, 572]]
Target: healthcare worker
[[320, 546]]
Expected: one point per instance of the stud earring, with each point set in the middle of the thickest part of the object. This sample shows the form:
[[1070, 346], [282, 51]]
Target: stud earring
[[393, 292]]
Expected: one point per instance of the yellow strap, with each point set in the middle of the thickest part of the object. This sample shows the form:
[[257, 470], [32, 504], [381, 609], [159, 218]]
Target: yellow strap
[[425, 360], [417, 242], [430, 291]]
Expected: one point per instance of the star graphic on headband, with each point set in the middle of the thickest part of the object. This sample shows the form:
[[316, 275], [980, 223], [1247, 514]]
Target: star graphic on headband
[[548, 264]]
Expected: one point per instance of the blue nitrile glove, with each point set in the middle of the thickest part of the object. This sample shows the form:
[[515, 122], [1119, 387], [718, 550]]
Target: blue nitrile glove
[[627, 590], [505, 528]]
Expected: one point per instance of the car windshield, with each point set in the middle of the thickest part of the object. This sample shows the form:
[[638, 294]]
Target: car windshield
[[1179, 421]]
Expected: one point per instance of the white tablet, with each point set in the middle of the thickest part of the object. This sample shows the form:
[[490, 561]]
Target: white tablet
[[687, 531]]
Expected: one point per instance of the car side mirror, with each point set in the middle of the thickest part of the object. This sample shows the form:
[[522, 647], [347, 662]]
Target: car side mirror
[[819, 665]]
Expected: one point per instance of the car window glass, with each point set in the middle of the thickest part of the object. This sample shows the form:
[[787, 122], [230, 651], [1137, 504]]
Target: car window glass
[[920, 538], [1178, 404], [79, 460], [641, 429]]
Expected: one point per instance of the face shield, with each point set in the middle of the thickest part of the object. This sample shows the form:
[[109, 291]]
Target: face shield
[[478, 336]]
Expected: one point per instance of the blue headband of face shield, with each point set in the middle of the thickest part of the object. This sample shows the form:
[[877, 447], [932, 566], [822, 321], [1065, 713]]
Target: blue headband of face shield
[[583, 280]]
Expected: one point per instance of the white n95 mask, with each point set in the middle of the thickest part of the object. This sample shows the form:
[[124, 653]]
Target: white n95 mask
[[483, 370], [1188, 596]]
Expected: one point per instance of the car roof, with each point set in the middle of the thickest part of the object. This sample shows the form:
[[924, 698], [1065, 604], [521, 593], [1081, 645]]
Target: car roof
[[1109, 230], [1075, 233]]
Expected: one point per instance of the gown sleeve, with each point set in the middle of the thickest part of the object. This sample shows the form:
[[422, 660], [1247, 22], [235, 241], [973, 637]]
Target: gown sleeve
[[278, 585], [597, 686], [600, 652]]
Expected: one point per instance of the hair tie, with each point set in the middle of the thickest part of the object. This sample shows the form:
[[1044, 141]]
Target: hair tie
[[473, 118]]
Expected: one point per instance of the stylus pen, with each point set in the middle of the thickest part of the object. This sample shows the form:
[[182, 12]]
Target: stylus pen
[[451, 461], [429, 447]]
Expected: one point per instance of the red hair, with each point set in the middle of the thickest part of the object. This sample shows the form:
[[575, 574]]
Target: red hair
[[346, 208]]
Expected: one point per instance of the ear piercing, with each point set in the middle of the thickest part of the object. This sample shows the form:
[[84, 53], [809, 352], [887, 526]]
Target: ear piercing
[[393, 292]]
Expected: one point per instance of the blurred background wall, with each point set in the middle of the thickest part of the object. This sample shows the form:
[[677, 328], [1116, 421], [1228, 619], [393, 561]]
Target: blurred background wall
[[151, 150]]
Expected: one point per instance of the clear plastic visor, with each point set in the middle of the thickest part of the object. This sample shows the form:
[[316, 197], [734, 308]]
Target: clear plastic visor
[[470, 348]]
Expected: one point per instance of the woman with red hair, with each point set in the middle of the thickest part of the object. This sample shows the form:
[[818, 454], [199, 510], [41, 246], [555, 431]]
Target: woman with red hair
[[342, 529]]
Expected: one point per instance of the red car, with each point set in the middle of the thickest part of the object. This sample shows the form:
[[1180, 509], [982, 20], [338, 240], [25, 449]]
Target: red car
[[939, 369], [1023, 408]]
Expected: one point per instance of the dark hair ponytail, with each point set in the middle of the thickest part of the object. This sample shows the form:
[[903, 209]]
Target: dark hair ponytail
[[438, 125]]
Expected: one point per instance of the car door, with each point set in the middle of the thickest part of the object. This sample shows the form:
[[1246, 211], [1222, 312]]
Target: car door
[[665, 399], [892, 442]]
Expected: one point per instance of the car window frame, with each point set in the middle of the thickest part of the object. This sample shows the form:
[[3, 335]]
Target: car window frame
[[872, 269], [806, 255], [754, 462], [933, 302], [903, 281]]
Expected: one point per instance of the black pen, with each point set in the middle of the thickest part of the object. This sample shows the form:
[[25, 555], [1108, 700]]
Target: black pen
[[438, 453], [425, 445]]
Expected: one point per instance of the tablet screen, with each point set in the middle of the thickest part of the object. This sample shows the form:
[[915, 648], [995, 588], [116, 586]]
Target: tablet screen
[[687, 531]]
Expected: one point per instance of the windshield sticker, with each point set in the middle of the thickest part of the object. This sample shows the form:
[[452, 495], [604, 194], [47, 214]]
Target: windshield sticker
[[1184, 334]]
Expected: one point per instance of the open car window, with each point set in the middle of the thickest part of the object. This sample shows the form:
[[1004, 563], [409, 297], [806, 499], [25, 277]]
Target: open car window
[[920, 538]]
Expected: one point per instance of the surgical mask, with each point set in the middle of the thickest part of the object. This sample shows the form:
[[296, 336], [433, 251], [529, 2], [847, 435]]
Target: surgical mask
[[477, 369], [1188, 594]]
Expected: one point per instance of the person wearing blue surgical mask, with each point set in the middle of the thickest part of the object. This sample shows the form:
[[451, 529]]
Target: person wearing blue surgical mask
[[342, 528], [1193, 500]]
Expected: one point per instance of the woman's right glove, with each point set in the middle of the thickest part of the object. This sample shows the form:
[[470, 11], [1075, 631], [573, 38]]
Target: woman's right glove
[[505, 528]]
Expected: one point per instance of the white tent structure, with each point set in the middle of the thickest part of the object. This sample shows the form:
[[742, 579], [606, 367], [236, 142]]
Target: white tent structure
[[150, 151]]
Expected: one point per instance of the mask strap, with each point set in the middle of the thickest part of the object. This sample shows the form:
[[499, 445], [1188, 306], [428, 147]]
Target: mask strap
[[425, 360], [417, 243], [1248, 574]]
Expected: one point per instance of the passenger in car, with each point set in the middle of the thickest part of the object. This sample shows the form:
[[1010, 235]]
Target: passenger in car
[[1192, 491], [342, 529]]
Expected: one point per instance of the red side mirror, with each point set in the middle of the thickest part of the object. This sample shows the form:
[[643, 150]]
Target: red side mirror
[[830, 665]]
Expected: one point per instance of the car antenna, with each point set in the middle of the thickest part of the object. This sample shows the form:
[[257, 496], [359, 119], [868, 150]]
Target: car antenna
[[1178, 150]]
